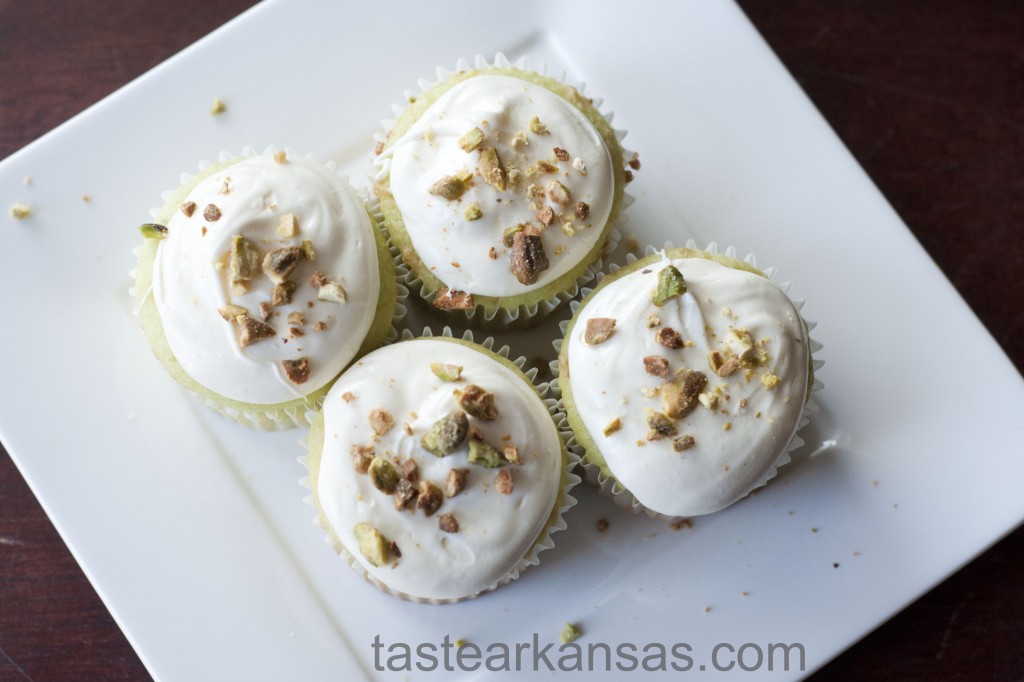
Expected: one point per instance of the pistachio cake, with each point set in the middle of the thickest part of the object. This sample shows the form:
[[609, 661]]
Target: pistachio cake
[[684, 377], [500, 187], [260, 281], [438, 469]]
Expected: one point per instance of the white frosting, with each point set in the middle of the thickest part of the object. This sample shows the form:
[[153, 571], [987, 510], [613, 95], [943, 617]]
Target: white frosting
[[495, 530], [607, 380], [190, 284], [456, 249]]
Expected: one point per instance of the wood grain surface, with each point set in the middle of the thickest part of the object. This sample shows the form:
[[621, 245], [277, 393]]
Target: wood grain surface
[[928, 95]]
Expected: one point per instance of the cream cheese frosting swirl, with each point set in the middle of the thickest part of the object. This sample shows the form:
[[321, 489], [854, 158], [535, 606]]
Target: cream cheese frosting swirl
[[539, 139], [249, 199], [495, 530], [747, 413]]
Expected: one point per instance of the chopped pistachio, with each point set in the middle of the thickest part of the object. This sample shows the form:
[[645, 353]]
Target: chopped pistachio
[[456, 482], [683, 443], [669, 337], [520, 139], [570, 633], [319, 326], [410, 470], [670, 285], [230, 312], [212, 213], [769, 381], [446, 372], [492, 170], [279, 264], [148, 230], [295, 332], [381, 421], [512, 454], [656, 365], [708, 400], [483, 454], [266, 310], [680, 396], [471, 140], [243, 264], [188, 208], [528, 256], [536, 127], [581, 210], [729, 365], [613, 426], [362, 455], [283, 293], [739, 343], [503, 482], [515, 176], [252, 330], [534, 191], [545, 216], [297, 371], [372, 544], [449, 187], [280, 157], [446, 434], [288, 226], [383, 475], [217, 107], [472, 212], [448, 523], [405, 494], [308, 251], [297, 318], [560, 154], [652, 320], [317, 279], [661, 426], [478, 403], [508, 235], [332, 292], [598, 330], [546, 167], [579, 165], [452, 299], [558, 192], [430, 499]]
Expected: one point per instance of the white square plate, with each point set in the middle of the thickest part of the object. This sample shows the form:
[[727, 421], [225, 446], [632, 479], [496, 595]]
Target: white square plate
[[193, 529]]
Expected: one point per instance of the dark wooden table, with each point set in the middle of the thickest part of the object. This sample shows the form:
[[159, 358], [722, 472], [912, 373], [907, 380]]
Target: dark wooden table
[[927, 94]]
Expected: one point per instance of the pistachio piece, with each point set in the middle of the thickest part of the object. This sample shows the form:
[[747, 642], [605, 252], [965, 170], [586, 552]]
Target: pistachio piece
[[449, 187], [317, 279], [280, 156], [372, 544], [520, 139], [405, 495], [769, 381], [283, 293], [536, 127], [661, 426], [570, 633], [724, 367], [362, 455], [452, 299], [669, 337], [381, 421], [503, 482], [446, 434], [430, 498], [296, 318], [482, 454], [598, 330], [545, 216], [188, 208], [512, 454], [410, 470], [656, 365], [613, 426], [491, 169], [478, 403], [446, 372], [534, 191], [681, 395], [211, 213], [558, 192], [509, 233], [546, 167], [471, 140], [230, 312], [448, 523], [383, 475], [579, 165], [243, 264], [280, 263], [332, 292], [652, 320], [288, 226], [472, 212], [560, 154], [252, 330], [297, 371], [581, 210], [308, 251], [266, 310], [683, 443], [148, 230], [456, 482], [670, 285], [739, 343], [528, 256]]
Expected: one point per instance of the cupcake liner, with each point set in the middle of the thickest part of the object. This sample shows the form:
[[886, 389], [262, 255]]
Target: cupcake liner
[[522, 316], [543, 541], [284, 415], [608, 485]]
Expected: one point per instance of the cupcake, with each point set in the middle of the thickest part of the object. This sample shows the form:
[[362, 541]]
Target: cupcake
[[500, 187], [437, 469], [262, 278], [685, 377]]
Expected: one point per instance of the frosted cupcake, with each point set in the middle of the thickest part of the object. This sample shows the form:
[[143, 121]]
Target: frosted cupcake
[[437, 468], [262, 278], [500, 187], [685, 377]]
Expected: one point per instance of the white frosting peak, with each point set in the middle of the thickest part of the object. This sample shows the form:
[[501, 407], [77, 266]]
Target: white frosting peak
[[455, 248], [190, 277], [737, 441], [495, 530]]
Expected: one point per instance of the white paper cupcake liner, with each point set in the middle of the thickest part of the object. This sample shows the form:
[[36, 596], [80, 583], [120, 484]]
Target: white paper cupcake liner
[[544, 540], [279, 419], [608, 485], [526, 315]]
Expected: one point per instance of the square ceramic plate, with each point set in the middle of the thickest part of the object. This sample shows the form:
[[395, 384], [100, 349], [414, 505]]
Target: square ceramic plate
[[193, 529]]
